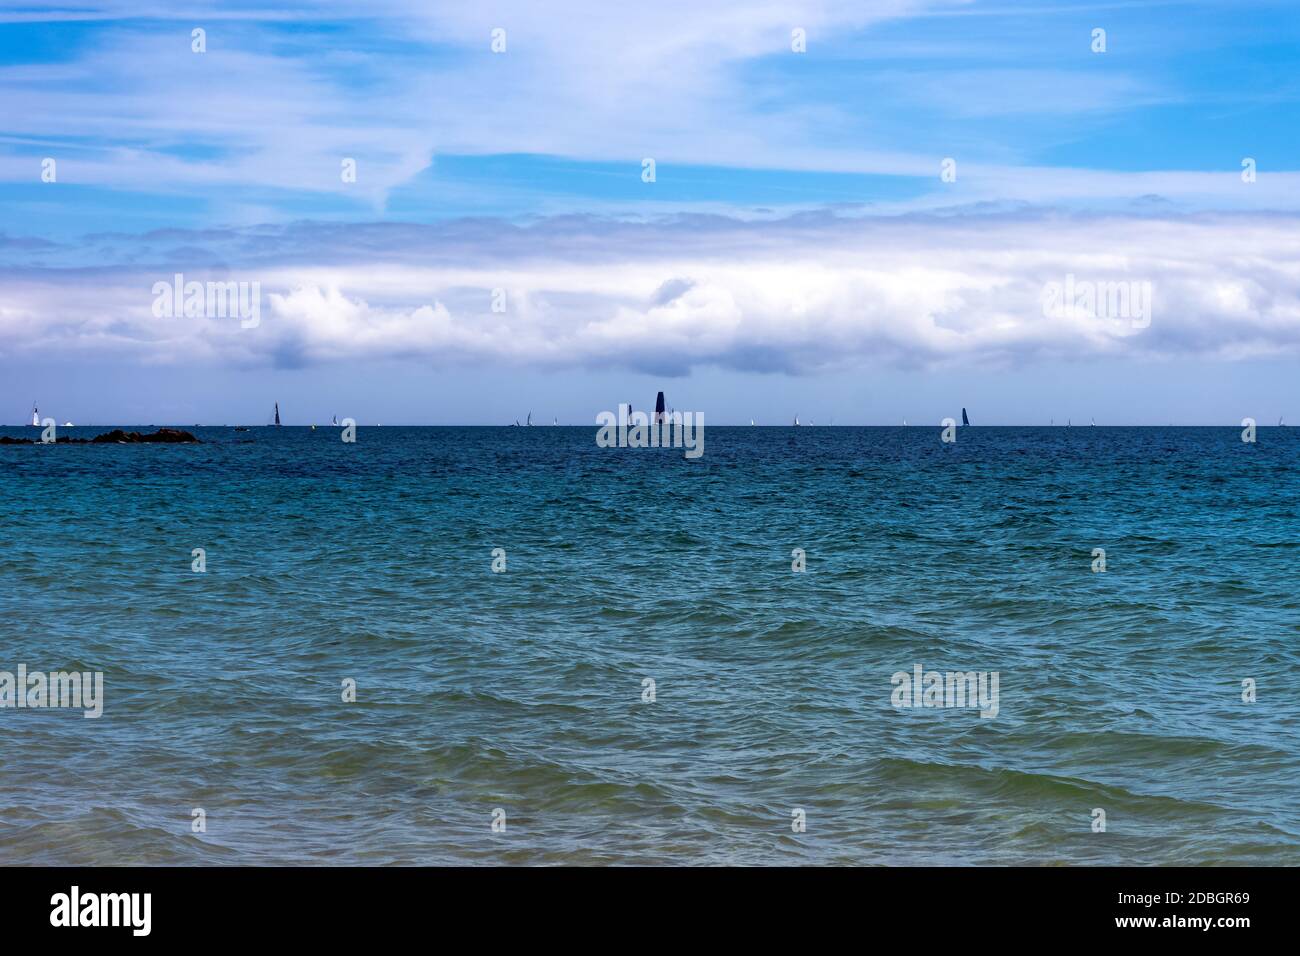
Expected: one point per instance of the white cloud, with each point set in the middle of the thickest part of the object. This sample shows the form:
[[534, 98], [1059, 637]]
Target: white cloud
[[275, 111], [804, 294], [279, 110]]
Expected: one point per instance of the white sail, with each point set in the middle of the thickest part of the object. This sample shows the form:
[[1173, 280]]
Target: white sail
[[36, 417]]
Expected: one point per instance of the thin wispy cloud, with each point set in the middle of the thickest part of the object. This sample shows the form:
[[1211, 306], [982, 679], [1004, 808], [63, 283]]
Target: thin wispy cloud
[[282, 95]]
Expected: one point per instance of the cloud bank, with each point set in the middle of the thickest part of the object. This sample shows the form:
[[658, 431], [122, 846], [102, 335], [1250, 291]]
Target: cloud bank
[[809, 293]]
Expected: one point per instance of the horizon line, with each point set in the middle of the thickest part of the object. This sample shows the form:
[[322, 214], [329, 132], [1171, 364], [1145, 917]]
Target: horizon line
[[594, 424]]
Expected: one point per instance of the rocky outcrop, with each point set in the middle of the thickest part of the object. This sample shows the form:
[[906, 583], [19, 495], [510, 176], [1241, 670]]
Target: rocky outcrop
[[167, 436], [163, 435]]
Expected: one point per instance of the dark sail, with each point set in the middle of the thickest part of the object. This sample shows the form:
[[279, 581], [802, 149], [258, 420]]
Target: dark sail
[[659, 409], [964, 419], [277, 413]]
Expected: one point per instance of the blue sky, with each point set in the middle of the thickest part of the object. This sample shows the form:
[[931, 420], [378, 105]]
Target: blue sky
[[797, 251]]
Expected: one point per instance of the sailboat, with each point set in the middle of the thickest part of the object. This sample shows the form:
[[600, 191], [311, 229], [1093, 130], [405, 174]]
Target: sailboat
[[751, 423], [277, 414], [1092, 423], [660, 417], [530, 420], [36, 416], [964, 419], [557, 420], [334, 420]]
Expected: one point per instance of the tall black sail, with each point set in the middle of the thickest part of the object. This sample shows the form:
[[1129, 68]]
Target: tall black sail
[[277, 413], [964, 419], [659, 409]]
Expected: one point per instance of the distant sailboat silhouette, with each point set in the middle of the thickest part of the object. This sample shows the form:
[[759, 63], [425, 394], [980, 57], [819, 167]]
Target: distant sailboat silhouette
[[964, 419], [36, 416], [530, 419], [796, 420], [557, 420], [277, 414], [660, 417], [334, 420], [1092, 423]]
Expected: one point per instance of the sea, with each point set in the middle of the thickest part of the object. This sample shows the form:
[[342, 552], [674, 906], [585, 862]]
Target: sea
[[513, 646]]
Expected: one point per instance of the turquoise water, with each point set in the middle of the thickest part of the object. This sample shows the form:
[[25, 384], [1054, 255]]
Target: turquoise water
[[522, 690]]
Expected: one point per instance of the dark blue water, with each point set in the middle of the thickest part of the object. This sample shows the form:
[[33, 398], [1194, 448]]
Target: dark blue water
[[522, 691]]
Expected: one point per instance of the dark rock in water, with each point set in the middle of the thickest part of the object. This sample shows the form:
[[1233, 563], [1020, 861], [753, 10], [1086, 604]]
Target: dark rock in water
[[115, 437], [165, 435]]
